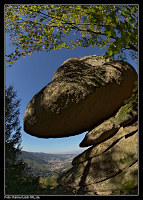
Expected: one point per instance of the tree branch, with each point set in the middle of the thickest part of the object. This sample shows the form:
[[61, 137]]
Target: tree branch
[[131, 47], [135, 48]]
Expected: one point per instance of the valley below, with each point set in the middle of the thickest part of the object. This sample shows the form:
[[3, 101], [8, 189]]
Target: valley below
[[46, 165]]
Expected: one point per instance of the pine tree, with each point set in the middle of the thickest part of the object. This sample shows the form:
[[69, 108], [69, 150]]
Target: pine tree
[[17, 177], [14, 168]]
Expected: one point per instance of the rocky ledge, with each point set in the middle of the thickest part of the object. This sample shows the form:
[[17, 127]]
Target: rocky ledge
[[110, 165]]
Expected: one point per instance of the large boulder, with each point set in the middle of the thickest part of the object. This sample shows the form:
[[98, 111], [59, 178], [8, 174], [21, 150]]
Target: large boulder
[[84, 91]]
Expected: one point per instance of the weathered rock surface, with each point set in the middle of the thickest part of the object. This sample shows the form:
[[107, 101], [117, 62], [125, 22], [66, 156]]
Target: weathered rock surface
[[108, 168], [84, 91], [125, 115]]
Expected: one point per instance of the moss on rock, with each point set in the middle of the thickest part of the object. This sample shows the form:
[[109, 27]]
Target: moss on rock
[[129, 159], [128, 184], [126, 112]]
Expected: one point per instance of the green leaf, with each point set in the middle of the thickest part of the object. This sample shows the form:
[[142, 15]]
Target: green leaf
[[89, 23]]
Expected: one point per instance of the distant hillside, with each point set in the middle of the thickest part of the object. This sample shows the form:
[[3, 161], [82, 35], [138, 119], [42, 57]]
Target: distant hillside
[[43, 164]]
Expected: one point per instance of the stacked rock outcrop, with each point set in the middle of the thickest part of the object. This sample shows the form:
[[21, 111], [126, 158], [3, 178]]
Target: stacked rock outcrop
[[125, 115], [109, 167], [88, 94]]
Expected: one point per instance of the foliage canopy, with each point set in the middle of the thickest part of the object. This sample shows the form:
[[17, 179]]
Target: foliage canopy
[[44, 27]]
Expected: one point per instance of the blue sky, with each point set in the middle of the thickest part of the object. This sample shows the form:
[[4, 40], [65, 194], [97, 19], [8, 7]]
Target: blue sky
[[29, 75]]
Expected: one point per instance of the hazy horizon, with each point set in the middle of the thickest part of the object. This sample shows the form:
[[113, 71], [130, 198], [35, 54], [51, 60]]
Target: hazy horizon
[[70, 152]]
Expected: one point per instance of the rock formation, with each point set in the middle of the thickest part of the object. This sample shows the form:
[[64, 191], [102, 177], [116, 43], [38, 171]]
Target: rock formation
[[125, 115], [110, 166], [88, 94], [84, 91]]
